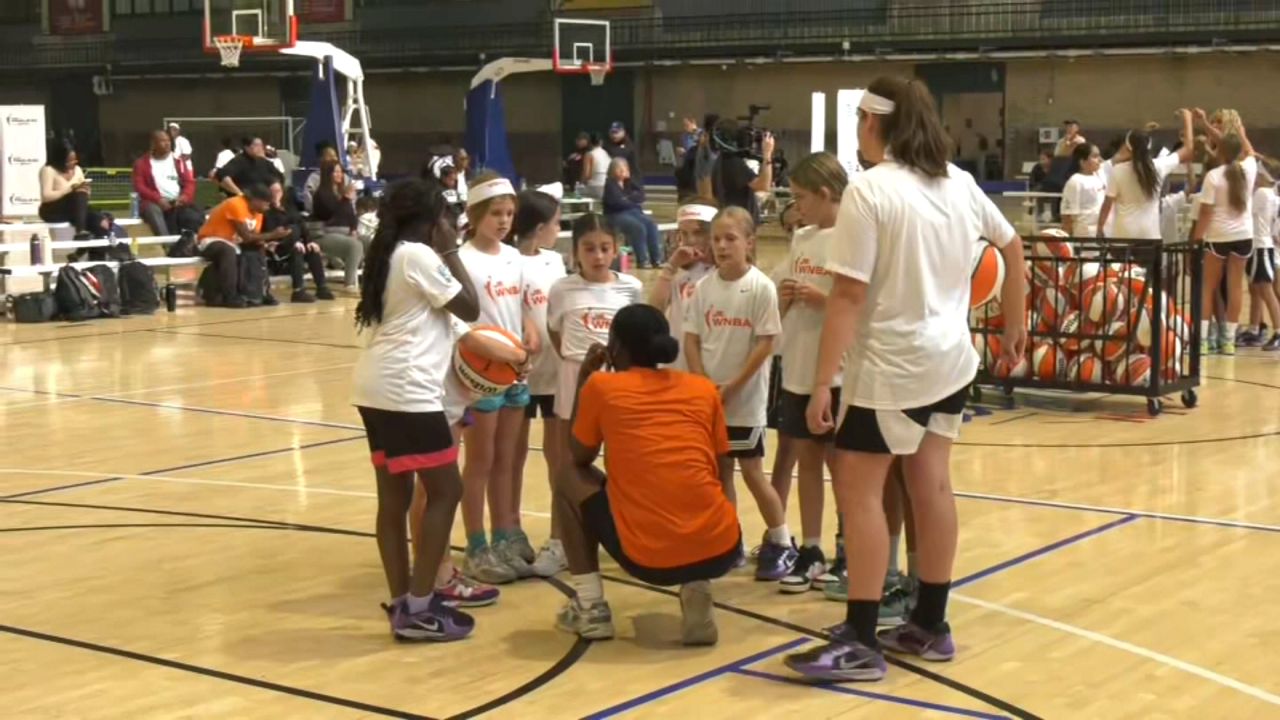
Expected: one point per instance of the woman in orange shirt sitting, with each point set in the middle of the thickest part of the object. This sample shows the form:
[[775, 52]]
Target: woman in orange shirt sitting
[[662, 514]]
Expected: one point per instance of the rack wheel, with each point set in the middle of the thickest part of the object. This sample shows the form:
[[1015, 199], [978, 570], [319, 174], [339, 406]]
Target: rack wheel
[[1189, 398], [1154, 406]]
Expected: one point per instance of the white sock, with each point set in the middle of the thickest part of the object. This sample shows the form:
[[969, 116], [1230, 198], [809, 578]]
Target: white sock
[[812, 542], [589, 588], [556, 545], [417, 604], [894, 543], [1231, 331], [780, 535], [1204, 328]]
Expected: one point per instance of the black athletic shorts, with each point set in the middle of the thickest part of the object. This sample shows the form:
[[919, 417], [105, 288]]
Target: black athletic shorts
[[598, 517], [546, 404], [746, 442], [900, 432], [1262, 266], [407, 441], [791, 412], [775, 387], [1239, 248]]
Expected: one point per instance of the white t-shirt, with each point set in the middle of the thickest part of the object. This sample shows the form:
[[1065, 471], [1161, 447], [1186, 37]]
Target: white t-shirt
[[729, 317], [1137, 216], [1265, 206], [1082, 197], [165, 172], [408, 354], [457, 398], [682, 287], [1226, 224], [499, 282], [911, 239], [802, 325], [224, 157], [1171, 214], [541, 271], [599, 167], [581, 312], [182, 147]]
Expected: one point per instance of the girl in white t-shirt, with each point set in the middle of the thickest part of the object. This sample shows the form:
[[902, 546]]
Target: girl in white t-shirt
[[497, 271], [537, 225], [1084, 193], [413, 281], [1262, 266], [580, 307], [730, 326], [1225, 225], [685, 267], [899, 306], [1133, 192]]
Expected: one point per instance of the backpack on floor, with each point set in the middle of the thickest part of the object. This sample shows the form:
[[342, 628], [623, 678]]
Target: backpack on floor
[[108, 289], [253, 276], [76, 299], [139, 294], [33, 307]]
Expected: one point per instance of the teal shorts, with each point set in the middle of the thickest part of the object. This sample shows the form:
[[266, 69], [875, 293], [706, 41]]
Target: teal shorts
[[516, 397]]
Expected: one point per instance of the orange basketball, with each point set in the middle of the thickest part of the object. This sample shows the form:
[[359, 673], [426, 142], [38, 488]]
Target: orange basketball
[[1086, 368], [1003, 370], [1117, 343], [1051, 307], [1103, 301], [988, 347], [485, 375], [1050, 261], [1133, 370], [1048, 362], [1071, 324], [986, 276]]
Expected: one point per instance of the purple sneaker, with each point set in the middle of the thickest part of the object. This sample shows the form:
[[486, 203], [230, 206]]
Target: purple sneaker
[[911, 639], [839, 661], [776, 561], [438, 623]]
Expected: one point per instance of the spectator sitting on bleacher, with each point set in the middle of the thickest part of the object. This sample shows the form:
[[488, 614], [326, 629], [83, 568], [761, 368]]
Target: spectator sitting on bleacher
[[619, 145], [325, 153], [64, 192], [250, 167], [181, 146], [225, 155], [624, 209], [166, 189], [235, 221], [334, 206], [297, 251]]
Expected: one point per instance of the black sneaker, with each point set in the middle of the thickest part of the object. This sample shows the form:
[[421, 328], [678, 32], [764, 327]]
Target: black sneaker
[[1273, 344], [810, 565], [236, 302], [269, 300], [301, 296], [324, 293], [1248, 339]]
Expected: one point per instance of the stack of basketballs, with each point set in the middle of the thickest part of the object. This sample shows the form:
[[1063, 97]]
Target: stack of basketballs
[[1089, 320]]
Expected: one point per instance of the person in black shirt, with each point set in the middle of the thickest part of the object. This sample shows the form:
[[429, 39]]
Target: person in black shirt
[[295, 252], [334, 206], [618, 145], [733, 181], [250, 167], [572, 173]]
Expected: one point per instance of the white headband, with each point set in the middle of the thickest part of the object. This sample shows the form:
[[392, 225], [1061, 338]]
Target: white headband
[[873, 104], [439, 164], [489, 190], [555, 190], [703, 213]]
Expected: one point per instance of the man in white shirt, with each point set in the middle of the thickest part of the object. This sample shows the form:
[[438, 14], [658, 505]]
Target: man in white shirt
[[181, 145], [166, 189]]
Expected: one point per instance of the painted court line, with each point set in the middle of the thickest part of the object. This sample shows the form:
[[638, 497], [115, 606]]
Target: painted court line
[[1120, 511], [846, 690], [1014, 562], [1140, 651]]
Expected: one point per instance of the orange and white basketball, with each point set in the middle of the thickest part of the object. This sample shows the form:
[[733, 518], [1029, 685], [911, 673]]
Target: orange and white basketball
[[1071, 325], [1086, 368], [1103, 301], [1133, 370], [986, 276], [1117, 342], [484, 375], [1048, 362], [1051, 307], [1004, 370], [988, 346], [1051, 260]]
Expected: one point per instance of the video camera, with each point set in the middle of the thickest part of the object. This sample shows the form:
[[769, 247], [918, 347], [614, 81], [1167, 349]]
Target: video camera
[[740, 137]]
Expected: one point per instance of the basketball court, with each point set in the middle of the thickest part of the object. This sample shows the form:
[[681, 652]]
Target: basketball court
[[187, 514]]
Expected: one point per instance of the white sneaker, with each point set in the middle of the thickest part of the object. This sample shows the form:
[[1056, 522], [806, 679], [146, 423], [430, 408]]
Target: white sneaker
[[698, 623], [550, 559], [594, 622]]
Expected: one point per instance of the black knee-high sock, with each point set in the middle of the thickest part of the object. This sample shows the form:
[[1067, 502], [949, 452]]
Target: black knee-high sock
[[861, 617], [931, 608]]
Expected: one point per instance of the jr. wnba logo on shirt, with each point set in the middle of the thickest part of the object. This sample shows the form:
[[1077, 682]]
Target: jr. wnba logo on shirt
[[719, 319], [597, 322], [805, 266], [499, 290], [534, 298], [686, 290]]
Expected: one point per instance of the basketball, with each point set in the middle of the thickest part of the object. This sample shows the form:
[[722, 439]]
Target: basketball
[[1048, 362], [1103, 301], [1003, 370], [1133, 370], [1086, 368], [1051, 307], [1070, 325], [986, 277], [1114, 348], [1051, 261], [480, 374], [988, 347]]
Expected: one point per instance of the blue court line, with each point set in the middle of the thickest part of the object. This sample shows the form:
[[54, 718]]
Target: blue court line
[[846, 690], [739, 665], [1014, 562], [1191, 520]]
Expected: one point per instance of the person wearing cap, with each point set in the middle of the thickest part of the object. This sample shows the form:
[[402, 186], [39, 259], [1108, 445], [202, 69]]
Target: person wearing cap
[[181, 145], [619, 145]]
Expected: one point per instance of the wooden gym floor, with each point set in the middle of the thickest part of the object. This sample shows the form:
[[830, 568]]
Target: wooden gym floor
[[185, 531]]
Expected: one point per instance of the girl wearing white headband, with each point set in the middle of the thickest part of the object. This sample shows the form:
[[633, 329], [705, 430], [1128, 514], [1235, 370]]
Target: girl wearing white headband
[[689, 263], [497, 269], [1133, 190], [898, 317]]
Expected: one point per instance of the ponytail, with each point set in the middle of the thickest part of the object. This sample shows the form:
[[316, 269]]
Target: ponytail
[[1140, 147], [913, 132], [410, 211], [1237, 184]]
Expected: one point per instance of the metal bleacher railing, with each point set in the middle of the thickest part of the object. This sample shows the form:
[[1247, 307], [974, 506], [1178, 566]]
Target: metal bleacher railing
[[872, 27]]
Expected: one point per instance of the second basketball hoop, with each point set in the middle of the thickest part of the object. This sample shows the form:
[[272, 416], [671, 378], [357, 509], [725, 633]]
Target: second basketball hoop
[[582, 47]]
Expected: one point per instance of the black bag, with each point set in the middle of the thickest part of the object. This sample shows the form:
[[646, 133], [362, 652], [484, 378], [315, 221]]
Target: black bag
[[33, 307], [108, 289], [139, 294], [253, 276], [76, 299], [185, 247]]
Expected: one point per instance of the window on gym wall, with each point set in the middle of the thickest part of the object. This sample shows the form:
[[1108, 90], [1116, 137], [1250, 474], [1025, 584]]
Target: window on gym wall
[[157, 7]]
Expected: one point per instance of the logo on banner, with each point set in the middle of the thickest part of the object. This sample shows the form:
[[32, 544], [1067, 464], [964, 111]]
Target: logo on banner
[[19, 199], [20, 120], [22, 160]]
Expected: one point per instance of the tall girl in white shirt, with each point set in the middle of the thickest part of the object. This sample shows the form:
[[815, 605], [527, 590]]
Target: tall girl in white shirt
[[899, 305], [729, 329], [1084, 193], [537, 223], [685, 268], [1262, 266], [581, 306], [1225, 225], [497, 271], [1133, 192]]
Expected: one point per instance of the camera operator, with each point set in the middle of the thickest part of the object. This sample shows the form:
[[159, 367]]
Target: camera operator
[[734, 180]]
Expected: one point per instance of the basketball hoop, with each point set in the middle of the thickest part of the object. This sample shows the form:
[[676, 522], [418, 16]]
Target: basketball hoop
[[597, 72], [229, 47]]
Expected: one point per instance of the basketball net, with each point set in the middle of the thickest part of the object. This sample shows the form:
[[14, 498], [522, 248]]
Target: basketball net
[[597, 72], [229, 47]]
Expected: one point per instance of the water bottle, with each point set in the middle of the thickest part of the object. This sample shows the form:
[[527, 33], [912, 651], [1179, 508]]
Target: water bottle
[[170, 297], [37, 249], [133, 205]]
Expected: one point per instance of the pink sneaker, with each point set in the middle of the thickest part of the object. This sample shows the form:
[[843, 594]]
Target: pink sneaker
[[462, 591]]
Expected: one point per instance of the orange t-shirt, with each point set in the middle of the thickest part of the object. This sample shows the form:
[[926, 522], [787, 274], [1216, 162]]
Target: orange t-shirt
[[662, 431], [222, 220]]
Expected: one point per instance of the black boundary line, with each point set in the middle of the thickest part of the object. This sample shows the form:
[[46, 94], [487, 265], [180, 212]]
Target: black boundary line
[[959, 687], [190, 466], [574, 654], [171, 327], [255, 339]]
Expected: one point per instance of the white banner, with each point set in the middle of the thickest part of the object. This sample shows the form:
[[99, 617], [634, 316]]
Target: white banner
[[818, 130], [22, 146], [847, 129]]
